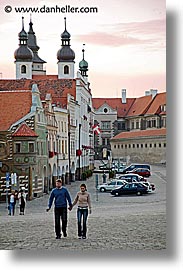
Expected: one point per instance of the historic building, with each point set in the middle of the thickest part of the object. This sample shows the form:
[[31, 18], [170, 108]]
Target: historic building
[[67, 102], [124, 121], [23, 140]]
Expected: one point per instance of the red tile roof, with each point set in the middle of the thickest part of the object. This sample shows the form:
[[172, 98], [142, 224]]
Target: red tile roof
[[143, 133], [13, 106], [140, 106], [58, 88], [115, 103], [159, 99], [24, 131]]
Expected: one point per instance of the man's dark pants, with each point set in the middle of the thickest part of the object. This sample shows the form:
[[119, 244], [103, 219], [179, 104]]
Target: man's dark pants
[[60, 213]]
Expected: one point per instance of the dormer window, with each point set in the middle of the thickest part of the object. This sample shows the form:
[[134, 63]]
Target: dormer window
[[105, 110], [163, 108]]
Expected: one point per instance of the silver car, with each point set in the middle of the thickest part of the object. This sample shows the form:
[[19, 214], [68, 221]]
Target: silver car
[[110, 185]]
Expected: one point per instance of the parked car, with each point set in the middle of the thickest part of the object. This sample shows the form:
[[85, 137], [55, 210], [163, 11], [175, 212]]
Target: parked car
[[136, 165], [129, 177], [111, 185], [144, 172], [131, 188], [136, 178], [104, 167]]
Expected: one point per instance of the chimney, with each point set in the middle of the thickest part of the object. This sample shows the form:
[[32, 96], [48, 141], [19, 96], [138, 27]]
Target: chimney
[[123, 94], [151, 92]]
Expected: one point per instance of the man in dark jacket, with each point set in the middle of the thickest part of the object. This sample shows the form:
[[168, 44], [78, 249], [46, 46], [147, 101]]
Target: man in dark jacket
[[61, 196]]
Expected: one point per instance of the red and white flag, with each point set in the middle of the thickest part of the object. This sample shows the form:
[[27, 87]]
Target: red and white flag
[[96, 129]]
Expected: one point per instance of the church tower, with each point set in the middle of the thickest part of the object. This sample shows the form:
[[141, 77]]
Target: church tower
[[83, 66], [37, 66], [65, 57], [23, 56]]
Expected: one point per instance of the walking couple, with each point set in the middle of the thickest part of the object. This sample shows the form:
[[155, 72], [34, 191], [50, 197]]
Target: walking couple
[[61, 196]]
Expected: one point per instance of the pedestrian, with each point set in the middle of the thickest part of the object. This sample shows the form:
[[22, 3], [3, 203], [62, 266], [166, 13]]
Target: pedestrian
[[84, 202], [22, 200], [11, 206], [61, 196]]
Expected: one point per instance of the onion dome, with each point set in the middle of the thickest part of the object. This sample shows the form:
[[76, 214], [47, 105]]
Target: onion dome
[[83, 65], [65, 53], [23, 53]]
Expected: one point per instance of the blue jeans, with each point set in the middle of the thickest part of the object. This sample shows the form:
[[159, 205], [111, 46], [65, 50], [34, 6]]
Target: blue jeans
[[12, 208], [82, 213]]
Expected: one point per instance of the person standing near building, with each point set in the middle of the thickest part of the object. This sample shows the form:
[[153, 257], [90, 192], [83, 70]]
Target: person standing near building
[[61, 196], [12, 201], [22, 200], [84, 202]]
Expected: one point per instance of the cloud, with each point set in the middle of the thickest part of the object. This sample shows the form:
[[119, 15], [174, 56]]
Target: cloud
[[151, 27], [133, 33], [106, 39]]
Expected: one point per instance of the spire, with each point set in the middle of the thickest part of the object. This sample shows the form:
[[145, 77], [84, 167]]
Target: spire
[[65, 23], [32, 43], [23, 56], [23, 52], [83, 64], [23, 35], [65, 36], [65, 53], [30, 26]]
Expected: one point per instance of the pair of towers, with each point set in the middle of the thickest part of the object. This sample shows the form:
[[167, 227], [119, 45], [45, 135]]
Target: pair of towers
[[28, 62]]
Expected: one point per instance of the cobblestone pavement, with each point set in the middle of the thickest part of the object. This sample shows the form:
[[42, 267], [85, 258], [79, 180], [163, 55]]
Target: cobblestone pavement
[[127, 223]]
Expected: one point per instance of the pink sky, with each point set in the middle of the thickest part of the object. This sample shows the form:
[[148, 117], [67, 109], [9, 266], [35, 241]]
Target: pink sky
[[125, 42]]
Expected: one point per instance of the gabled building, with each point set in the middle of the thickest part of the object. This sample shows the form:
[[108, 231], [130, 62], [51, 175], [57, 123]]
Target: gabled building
[[61, 87], [23, 136], [129, 119]]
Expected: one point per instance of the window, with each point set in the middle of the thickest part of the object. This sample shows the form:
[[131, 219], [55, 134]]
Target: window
[[163, 108], [103, 141], [132, 125], [105, 125], [105, 110], [115, 146], [146, 145], [66, 69], [129, 146], [17, 147], [164, 144], [141, 145], [121, 125], [148, 124], [137, 125], [137, 145], [31, 147], [122, 146], [154, 145], [23, 69], [63, 147], [133, 145], [42, 151], [159, 144], [153, 123]]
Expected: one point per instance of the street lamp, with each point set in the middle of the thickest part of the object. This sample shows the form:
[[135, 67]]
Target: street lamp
[[79, 150], [57, 138], [69, 154]]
